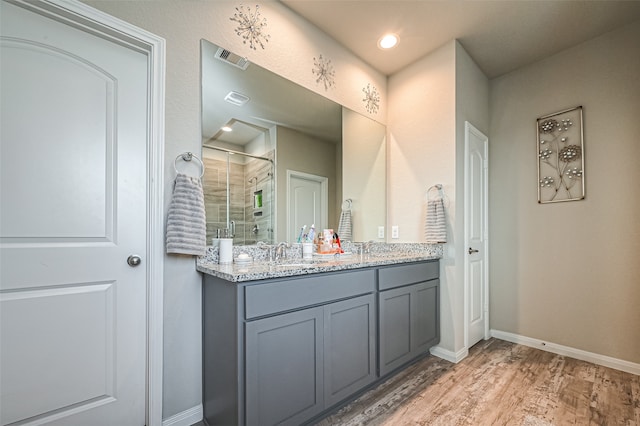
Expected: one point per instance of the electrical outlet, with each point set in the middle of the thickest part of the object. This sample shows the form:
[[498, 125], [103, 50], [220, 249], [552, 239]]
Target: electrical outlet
[[394, 232], [380, 231]]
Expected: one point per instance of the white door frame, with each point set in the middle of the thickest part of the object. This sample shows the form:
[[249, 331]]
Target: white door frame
[[324, 188], [468, 129], [110, 28]]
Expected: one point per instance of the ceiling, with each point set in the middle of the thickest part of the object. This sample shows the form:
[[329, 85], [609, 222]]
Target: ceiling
[[500, 36]]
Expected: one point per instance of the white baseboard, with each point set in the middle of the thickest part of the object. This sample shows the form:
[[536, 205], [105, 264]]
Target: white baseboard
[[185, 418], [448, 355], [607, 361]]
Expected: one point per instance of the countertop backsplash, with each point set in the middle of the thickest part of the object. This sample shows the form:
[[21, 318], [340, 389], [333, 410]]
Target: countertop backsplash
[[294, 251]]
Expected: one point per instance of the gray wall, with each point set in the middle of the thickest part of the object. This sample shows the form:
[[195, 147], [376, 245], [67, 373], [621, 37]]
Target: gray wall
[[568, 273]]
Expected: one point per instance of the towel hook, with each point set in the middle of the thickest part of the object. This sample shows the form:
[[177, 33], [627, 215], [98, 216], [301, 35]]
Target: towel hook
[[188, 156]]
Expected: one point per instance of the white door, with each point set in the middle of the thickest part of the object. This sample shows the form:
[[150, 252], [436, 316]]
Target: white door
[[476, 223], [73, 209], [306, 203]]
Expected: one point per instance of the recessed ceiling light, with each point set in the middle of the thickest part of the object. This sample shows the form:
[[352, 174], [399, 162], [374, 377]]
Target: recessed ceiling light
[[226, 129], [388, 41]]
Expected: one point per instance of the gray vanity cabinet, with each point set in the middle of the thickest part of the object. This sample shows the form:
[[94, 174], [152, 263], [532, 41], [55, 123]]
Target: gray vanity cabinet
[[281, 351], [408, 313], [288, 350]]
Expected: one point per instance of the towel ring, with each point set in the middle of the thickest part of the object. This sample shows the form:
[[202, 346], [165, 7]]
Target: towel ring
[[437, 187], [188, 156], [346, 205]]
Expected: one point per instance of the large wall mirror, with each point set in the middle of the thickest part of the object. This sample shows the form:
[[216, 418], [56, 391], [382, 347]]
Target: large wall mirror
[[279, 156]]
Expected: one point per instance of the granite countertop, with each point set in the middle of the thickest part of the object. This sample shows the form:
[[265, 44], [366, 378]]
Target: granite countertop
[[259, 269]]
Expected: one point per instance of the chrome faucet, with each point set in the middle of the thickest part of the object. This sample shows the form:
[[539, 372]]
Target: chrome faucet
[[281, 252]]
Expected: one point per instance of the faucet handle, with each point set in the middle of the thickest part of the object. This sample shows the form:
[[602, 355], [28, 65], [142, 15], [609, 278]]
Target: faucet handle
[[281, 252], [269, 247], [366, 246]]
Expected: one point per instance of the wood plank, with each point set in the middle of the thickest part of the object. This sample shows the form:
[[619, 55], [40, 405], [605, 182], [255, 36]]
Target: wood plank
[[499, 383]]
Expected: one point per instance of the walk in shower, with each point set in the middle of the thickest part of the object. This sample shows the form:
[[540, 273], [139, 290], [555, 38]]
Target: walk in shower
[[239, 195]]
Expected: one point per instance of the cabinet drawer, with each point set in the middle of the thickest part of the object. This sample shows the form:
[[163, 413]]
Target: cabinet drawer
[[280, 296], [398, 276]]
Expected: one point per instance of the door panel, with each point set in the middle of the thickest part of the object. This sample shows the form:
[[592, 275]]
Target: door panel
[[49, 335], [476, 297], [73, 208], [43, 78]]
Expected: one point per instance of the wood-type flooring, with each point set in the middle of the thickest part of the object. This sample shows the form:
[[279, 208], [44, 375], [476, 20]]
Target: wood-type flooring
[[499, 383]]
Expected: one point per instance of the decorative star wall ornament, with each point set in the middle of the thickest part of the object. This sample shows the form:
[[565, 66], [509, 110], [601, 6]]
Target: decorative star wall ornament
[[251, 27], [371, 99], [324, 70]]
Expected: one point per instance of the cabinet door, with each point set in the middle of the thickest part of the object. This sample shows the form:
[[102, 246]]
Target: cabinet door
[[409, 323], [349, 347], [395, 328], [425, 310], [284, 362]]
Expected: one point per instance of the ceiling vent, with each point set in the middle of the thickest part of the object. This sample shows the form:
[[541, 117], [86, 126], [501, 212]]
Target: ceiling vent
[[231, 58], [236, 98]]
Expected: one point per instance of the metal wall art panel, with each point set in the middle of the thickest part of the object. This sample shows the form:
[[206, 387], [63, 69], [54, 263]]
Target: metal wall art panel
[[560, 156]]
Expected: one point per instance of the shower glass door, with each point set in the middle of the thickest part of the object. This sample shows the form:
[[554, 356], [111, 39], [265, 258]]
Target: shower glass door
[[239, 196]]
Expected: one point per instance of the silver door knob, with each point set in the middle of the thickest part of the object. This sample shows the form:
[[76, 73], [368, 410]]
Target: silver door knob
[[134, 260], [471, 251]]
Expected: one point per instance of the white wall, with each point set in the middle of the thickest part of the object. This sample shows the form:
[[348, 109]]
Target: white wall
[[290, 52], [421, 128], [568, 273], [472, 105], [429, 102], [364, 176]]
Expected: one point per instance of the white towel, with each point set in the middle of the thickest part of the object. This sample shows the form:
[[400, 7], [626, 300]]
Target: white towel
[[186, 220], [435, 226], [344, 226]]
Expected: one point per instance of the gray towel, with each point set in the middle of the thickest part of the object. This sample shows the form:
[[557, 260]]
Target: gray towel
[[186, 220], [344, 226], [435, 226]]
